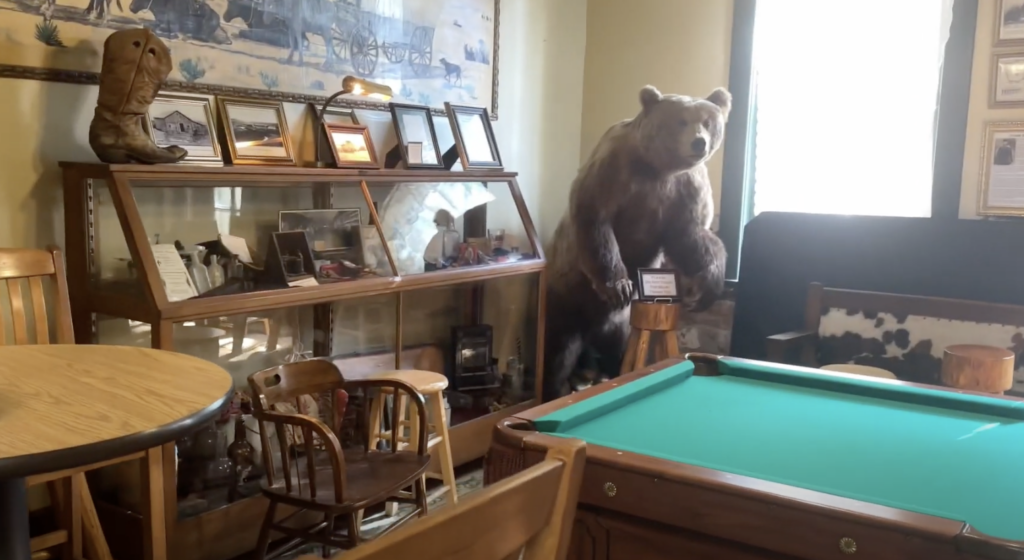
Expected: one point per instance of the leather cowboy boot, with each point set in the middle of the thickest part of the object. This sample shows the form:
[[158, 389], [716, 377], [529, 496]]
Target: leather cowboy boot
[[135, 64]]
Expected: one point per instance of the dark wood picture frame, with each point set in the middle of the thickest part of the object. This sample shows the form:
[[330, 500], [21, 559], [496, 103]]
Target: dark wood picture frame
[[332, 110], [642, 295], [374, 162], [396, 110], [460, 142], [282, 245]]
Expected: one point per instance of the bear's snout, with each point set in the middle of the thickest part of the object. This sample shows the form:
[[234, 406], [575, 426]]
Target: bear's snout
[[699, 146]]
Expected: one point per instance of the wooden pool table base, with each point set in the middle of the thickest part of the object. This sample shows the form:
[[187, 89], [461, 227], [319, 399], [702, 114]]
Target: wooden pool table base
[[637, 507]]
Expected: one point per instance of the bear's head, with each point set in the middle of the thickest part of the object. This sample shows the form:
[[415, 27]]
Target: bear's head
[[676, 132]]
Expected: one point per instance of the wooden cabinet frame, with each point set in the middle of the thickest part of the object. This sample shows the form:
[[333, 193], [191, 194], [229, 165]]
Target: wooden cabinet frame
[[222, 533]]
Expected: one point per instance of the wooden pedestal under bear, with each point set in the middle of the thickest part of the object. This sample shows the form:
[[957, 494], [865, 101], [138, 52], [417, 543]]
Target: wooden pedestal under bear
[[642, 198]]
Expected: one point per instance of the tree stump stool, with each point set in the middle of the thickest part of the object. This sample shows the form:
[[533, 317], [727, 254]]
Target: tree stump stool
[[652, 324], [974, 367]]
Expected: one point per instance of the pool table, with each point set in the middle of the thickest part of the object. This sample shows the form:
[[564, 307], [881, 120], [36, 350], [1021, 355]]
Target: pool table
[[712, 457]]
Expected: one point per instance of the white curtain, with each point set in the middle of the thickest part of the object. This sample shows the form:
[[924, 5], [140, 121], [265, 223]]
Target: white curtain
[[846, 96]]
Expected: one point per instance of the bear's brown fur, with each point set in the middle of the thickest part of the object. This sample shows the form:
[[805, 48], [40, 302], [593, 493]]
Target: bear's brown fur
[[642, 196]]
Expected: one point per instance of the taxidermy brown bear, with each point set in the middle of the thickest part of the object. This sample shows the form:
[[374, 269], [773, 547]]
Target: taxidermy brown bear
[[642, 198]]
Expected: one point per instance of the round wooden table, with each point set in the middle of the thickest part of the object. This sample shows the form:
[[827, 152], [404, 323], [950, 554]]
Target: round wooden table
[[65, 406]]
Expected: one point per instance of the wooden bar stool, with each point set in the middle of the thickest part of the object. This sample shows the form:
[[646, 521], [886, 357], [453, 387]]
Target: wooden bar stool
[[647, 320], [431, 385], [974, 367]]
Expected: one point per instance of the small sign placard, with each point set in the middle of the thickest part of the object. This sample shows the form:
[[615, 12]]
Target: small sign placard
[[658, 284]]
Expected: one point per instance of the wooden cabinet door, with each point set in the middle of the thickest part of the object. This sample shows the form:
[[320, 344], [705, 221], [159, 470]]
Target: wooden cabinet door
[[589, 538], [598, 536]]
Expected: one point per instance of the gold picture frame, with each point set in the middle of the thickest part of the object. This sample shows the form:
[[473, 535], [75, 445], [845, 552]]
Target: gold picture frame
[[255, 132], [185, 129], [1008, 79], [349, 134], [1002, 170]]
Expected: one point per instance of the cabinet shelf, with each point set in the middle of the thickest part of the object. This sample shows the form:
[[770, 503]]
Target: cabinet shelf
[[266, 174]]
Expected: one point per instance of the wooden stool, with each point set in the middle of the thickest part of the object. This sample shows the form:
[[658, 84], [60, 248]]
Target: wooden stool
[[974, 367], [431, 385], [647, 319]]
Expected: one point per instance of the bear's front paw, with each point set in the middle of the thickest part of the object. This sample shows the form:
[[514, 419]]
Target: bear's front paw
[[617, 293], [700, 296]]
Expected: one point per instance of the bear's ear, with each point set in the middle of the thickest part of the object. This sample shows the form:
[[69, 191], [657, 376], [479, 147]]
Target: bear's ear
[[723, 99], [649, 96]]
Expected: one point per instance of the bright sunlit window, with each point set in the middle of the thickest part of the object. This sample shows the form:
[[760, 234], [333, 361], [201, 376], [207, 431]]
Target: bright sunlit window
[[845, 105]]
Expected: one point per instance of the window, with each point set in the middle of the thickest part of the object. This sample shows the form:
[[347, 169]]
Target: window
[[846, 95], [838, 107]]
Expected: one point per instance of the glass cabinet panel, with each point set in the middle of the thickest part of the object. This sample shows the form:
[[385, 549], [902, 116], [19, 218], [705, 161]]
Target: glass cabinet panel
[[427, 226], [484, 335], [446, 225], [111, 265], [211, 223]]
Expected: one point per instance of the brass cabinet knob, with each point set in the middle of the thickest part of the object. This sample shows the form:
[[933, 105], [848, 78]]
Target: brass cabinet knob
[[610, 489], [847, 545]]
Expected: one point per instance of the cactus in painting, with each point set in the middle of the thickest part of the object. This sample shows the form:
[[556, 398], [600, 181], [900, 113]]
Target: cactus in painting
[[48, 34], [191, 70], [269, 80]]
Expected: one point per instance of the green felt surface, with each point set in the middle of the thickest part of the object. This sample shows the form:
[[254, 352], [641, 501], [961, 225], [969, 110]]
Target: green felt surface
[[955, 456]]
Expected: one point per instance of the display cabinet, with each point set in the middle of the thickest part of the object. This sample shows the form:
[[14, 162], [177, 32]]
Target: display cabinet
[[253, 267]]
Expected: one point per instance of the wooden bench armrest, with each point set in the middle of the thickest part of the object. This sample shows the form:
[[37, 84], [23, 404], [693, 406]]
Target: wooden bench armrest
[[780, 345]]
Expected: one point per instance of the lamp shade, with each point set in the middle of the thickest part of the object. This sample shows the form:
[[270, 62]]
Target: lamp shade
[[365, 88]]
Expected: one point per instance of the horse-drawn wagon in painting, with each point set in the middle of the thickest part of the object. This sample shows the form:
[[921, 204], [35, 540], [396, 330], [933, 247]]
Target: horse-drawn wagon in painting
[[401, 35], [358, 31]]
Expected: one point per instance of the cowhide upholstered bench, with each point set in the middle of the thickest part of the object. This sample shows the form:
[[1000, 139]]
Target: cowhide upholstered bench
[[903, 334]]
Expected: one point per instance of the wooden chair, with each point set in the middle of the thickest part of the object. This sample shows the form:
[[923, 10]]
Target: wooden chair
[[79, 525], [353, 479], [530, 513]]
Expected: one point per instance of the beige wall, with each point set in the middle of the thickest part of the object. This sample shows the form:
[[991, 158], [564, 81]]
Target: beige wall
[[542, 44], [978, 112], [678, 46]]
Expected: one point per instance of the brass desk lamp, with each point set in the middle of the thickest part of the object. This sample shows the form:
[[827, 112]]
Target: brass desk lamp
[[350, 85]]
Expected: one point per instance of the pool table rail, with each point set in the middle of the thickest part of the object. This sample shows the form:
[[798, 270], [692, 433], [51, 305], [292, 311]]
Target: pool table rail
[[739, 509]]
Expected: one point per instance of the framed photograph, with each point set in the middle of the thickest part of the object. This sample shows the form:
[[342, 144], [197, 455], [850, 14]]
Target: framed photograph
[[415, 151], [1010, 23], [334, 115], [413, 123], [658, 284], [474, 137], [1007, 80], [1001, 191], [352, 146], [332, 229], [186, 121], [256, 132]]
